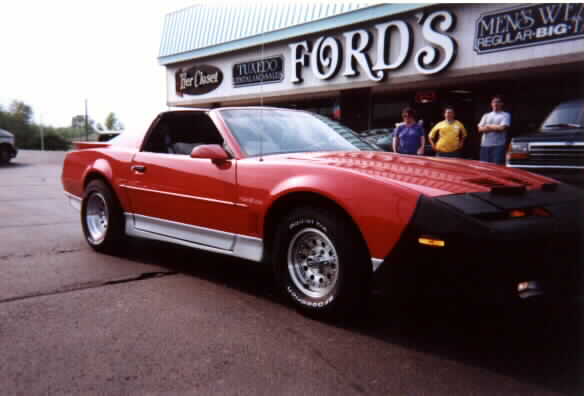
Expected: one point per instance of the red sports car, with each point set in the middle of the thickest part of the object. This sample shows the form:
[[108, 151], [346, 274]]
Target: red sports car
[[326, 210]]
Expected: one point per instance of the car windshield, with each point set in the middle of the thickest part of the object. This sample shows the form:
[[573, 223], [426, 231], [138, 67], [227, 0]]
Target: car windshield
[[566, 115], [275, 131]]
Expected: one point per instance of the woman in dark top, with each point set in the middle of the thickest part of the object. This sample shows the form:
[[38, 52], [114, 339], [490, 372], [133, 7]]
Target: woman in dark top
[[408, 138]]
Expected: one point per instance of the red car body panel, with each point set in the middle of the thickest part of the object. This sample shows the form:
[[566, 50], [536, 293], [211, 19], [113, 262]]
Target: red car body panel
[[378, 190]]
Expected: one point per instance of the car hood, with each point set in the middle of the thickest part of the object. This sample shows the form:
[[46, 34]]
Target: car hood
[[563, 134], [428, 175]]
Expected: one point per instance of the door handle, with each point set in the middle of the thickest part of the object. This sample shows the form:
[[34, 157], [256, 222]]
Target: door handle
[[139, 168]]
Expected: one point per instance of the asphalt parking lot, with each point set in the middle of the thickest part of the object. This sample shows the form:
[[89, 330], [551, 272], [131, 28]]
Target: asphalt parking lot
[[164, 319]]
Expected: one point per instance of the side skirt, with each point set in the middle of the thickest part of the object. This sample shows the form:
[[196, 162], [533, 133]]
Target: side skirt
[[243, 246], [246, 247]]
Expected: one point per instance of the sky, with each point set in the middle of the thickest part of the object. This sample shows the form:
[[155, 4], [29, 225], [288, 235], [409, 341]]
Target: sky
[[55, 54]]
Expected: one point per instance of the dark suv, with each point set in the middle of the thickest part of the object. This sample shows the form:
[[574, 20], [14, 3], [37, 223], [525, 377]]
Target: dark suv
[[557, 148], [7, 147]]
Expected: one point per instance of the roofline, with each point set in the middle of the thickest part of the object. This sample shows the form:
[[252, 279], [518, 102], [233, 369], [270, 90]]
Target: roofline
[[208, 109], [332, 22]]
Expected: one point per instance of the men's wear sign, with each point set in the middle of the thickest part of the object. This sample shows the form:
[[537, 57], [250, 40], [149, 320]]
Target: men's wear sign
[[263, 71], [528, 25], [197, 80]]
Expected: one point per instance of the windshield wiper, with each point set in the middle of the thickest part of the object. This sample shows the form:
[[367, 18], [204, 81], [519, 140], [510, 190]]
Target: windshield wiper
[[567, 125]]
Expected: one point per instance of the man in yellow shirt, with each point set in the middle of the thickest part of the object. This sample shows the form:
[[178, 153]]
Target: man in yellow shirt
[[447, 137]]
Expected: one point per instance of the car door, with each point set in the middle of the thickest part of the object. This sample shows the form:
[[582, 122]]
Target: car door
[[174, 195]]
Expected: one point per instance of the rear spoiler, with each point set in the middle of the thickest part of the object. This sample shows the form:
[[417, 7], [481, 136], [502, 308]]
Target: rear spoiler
[[89, 145]]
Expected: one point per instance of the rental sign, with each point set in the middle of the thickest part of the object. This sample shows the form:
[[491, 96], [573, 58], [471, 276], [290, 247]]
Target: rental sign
[[528, 25], [327, 56]]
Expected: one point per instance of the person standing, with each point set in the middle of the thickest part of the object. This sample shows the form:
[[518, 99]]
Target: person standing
[[408, 137], [447, 137], [493, 127]]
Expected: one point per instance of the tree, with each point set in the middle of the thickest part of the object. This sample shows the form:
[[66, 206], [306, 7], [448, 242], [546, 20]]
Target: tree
[[79, 122], [21, 111], [112, 123]]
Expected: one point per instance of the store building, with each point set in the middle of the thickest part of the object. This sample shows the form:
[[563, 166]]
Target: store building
[[367, 62]]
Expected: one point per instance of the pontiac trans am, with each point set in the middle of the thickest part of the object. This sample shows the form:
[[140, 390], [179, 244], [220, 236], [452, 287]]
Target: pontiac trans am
[[330, 214]]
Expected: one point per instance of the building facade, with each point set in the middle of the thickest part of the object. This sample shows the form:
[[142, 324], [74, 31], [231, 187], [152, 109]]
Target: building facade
[[365, 63]]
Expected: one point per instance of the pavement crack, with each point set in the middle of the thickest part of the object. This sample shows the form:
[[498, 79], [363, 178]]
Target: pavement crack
[[12, 255], [315, 351], [38, 224], [63, 251], [92, 285], [26, 255]]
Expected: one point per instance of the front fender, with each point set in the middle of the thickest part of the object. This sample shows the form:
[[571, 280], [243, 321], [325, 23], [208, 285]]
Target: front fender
[[380, 211]]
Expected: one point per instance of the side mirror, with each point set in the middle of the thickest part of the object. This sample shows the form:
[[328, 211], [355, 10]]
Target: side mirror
[[214, 152]]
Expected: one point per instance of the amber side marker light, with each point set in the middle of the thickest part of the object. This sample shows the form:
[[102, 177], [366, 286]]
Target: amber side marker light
[[517, 213], [431, 242], [541, 212]]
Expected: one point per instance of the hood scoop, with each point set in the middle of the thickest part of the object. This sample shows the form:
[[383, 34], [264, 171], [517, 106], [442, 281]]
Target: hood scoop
[[486, 182], [432, 176], [498, 182]]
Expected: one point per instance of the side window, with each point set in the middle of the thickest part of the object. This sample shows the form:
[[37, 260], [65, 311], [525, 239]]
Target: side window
[[158, 138], [181, 132]]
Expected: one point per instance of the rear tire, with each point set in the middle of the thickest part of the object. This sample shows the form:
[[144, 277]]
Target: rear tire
[[5, 155], [102, 218], [321, 264]]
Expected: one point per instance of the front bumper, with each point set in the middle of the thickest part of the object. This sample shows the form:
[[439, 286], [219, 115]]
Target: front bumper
[[487, 256]]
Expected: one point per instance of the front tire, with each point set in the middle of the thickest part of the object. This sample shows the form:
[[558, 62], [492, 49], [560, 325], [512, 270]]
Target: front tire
[[321, 263], [101, 217]]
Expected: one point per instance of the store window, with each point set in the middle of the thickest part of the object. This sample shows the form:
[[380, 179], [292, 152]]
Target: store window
[[387, 111]]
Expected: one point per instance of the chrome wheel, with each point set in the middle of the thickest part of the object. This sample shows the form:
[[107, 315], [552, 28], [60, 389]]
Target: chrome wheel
[[96, 217], [313, 263]]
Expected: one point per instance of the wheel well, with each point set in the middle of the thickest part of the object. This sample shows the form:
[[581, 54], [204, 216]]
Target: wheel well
[[96, 176], [99, 176], [295, 200]]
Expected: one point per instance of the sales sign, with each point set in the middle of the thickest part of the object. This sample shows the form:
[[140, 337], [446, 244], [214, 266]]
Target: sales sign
[[528, 25], [262, 71]]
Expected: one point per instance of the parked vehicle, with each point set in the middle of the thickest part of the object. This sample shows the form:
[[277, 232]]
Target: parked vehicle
[[556, 149], [326, 211], [104, 136], [8, 148]]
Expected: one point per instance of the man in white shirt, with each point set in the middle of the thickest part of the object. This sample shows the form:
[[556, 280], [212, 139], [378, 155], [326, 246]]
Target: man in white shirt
[[494, 127]]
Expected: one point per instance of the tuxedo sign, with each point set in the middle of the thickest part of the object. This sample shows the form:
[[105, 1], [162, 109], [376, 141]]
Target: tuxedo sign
[[328, 56]]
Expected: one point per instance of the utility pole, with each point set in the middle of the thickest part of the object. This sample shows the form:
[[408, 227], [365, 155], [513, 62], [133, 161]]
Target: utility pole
[[86, 124], [42, 133]]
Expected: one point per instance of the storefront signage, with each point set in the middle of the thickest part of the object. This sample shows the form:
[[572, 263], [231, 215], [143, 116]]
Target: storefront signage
[[328, 56], [197, 80], [262, 71], [426, 96], [528, 25]]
